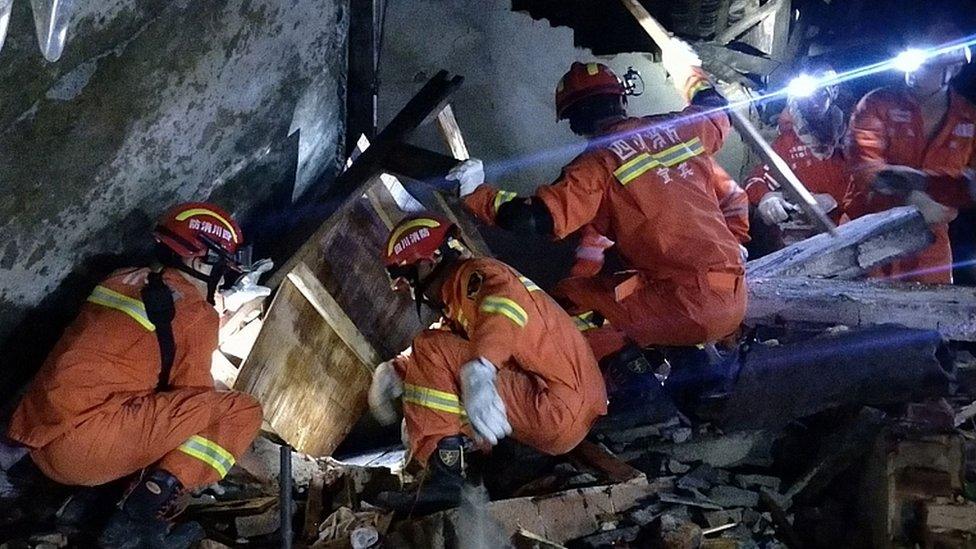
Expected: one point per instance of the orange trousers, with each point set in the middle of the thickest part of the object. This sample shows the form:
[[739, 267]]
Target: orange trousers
[[660, 312], [552, 419], [195, 434]]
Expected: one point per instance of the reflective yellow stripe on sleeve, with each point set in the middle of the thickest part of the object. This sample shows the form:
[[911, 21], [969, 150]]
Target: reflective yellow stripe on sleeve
[[441, 401], [208, 452], [121, 302], [502, 197], [494, 304], [584, 321]]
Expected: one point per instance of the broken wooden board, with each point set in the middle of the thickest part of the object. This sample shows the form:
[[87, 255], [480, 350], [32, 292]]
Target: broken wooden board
[[557, 517], [949, 310], [859, 246], [310, 367]]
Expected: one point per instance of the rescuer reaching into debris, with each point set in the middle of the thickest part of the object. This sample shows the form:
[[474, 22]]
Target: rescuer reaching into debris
[[811, 140], [914, 144], [508, 360], [646, 184], [128, 391]]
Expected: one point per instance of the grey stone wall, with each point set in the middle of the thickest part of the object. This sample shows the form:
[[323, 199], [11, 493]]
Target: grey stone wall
[[155, 102]]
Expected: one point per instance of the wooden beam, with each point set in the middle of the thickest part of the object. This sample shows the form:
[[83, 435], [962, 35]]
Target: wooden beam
[[875, 366], [451, 131], [747, 22], [422, 107], [361, 86], [861, 245], [740, 61], [949, 310]]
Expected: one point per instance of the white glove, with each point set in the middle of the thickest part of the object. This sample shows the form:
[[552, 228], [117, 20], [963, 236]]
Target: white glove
[[383, 390], [482, 403], [470, 174], [246, 288], [678, 60], [933, 212], [826, 202], [743, 253], [773, 208]]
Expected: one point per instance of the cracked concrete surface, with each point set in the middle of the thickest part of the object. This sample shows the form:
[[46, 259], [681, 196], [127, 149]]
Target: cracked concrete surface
[[153, 102]]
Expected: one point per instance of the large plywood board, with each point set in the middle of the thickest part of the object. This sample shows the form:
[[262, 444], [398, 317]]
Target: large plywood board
[[310, 367]]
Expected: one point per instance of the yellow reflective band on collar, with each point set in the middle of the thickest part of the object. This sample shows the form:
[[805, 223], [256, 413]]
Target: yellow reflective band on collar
[[502, 197], [529, 285], [584, 321], [441, 401], [203, 211], [121, 302], [698, 86], [395, 237], [208, 452], [494, 304]]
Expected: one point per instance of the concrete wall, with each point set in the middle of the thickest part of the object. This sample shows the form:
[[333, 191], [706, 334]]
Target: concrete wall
[[155, 102], [511, 64]]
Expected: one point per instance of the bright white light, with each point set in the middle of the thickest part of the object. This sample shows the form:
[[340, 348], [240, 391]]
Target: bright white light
[[803, 86], [909, 60]]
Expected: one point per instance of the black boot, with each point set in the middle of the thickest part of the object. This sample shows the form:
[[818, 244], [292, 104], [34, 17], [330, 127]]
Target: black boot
[[629, 374], [440, 488], [144, 519]]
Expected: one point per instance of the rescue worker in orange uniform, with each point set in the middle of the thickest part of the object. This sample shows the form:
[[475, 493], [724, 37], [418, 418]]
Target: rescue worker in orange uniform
[[914, 144], [103, 405], [509, 360], [590, 253], [646, 184], [811, 141]]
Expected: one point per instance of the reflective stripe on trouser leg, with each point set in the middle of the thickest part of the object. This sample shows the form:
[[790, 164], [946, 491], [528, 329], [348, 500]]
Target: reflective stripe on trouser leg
[[208, 452]]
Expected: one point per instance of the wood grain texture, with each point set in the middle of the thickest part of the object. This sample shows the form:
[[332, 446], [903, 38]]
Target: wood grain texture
[[310, 380], [949, 310], [861, 245]]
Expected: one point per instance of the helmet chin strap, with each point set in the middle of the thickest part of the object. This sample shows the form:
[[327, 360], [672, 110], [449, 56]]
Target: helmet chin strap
[[212, 279], [418, 288]]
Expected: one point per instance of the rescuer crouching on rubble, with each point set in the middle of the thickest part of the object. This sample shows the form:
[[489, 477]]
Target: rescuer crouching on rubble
[[128, 391], [508, 360], [647, 185]]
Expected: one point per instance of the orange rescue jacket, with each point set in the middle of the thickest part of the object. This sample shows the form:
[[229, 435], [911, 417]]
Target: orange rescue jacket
[[648, 185], [110, 354], [510, 321], [827, 174]]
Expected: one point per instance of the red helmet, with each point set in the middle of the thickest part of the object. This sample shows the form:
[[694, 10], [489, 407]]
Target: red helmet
[[415, 239], [585, 80], [196, 229]]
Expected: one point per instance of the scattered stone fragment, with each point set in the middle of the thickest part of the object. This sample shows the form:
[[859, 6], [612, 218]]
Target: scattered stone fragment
[[719, 518], [645, 515], [677, 533], [730, 496], [676, 467], [754, 482], [690, 482], [608, 538], [700, 501]]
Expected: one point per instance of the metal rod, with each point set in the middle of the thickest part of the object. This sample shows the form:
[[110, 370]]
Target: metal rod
[[284, 495]]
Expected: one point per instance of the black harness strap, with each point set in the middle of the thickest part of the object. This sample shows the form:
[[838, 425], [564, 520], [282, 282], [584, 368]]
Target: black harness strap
[[160, 309]]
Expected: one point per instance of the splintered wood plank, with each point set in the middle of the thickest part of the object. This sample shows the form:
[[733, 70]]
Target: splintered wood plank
[[859, 246], [597, 457], [950, 310], [348, 261], [451, 204], [310, 367]]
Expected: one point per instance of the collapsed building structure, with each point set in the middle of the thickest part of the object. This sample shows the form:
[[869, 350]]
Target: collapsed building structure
[[846, 415]]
